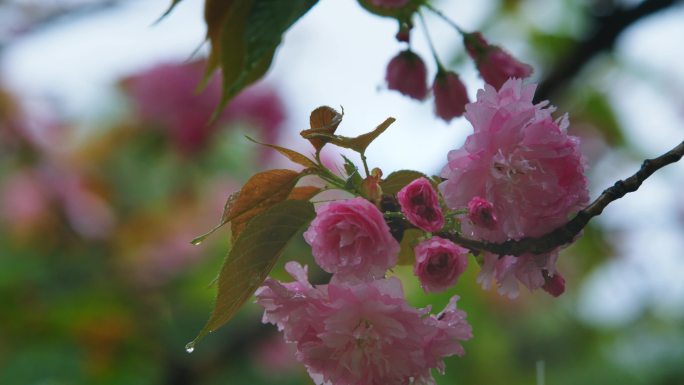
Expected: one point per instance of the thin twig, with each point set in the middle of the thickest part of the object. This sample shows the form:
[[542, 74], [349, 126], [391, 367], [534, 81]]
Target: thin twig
[[568, 232]]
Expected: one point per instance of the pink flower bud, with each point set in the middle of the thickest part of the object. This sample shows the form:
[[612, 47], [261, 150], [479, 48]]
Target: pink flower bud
[[439, 263], [554, 285], [420, 205], [495, 65], [450, 95], [481, 213], [407, 74]]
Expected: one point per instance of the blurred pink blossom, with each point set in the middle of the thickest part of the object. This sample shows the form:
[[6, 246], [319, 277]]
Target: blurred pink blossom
[[450, 95], [24, 200], [496, 66], [365, 333], [439, 263], [526, 165], [420, 204], [169, 95], [350, 239]]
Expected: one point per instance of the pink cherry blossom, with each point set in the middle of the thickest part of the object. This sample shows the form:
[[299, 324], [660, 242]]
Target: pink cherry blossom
[[439, 263], [526, 165], [450, 95], [350, 239], [495, 65], [420, 204], [363, 333], [407, 74]]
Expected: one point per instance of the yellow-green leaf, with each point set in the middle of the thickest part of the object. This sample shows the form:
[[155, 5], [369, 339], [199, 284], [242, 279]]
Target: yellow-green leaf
[[252, 257]]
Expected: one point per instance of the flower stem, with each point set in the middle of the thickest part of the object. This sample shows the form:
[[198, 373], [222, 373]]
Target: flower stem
[[445, 18]]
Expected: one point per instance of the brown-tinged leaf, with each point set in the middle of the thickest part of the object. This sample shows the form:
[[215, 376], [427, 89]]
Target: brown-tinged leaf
[[361, 142], [261, 191], [406, 254], [252, 257], [358, 144], [398, 179], [323, 120], [290, 154], [303, 193]]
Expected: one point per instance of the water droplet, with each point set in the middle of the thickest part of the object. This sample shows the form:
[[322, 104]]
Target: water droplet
[[197, 241], [190, 347]]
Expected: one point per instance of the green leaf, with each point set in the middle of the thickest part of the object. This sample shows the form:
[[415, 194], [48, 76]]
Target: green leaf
[[253, 256], [398, 179], [290, 154], [250, 34]]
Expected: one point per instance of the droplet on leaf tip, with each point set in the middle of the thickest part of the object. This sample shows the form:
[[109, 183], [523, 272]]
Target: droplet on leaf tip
[[190, 347]]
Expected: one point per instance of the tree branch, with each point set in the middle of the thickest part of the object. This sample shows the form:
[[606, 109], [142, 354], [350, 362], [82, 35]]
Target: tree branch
[[608, 28], [568, 232]]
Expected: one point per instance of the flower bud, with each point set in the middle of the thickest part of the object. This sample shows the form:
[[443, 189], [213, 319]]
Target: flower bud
[[495, 65], [450, 95], [481, 213], [407, 74], [420, 205], [554, 285]]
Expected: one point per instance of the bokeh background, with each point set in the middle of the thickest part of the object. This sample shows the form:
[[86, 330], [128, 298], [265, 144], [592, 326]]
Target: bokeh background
[[108, 169]]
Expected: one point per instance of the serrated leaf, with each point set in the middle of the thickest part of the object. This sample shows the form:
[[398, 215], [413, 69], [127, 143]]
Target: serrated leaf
[[261, 191], [245, 35], [303, 193], [290, 154], [406, 254], [398, 179], [252, 257], [323, 120]]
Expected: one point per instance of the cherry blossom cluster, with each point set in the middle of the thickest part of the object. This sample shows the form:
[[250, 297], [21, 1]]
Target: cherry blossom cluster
[[518, 175]]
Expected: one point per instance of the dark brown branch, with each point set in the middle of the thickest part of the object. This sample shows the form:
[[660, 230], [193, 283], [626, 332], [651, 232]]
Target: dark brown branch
[[607, 30], [568, 232]]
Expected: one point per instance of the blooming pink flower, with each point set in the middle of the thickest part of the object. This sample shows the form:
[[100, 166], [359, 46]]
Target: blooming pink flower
[[525, 164], [495, 65], [407, 74], [365, 333], [439, 263], [450, 95], [481, 213], [350, 239], [420, 205]]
